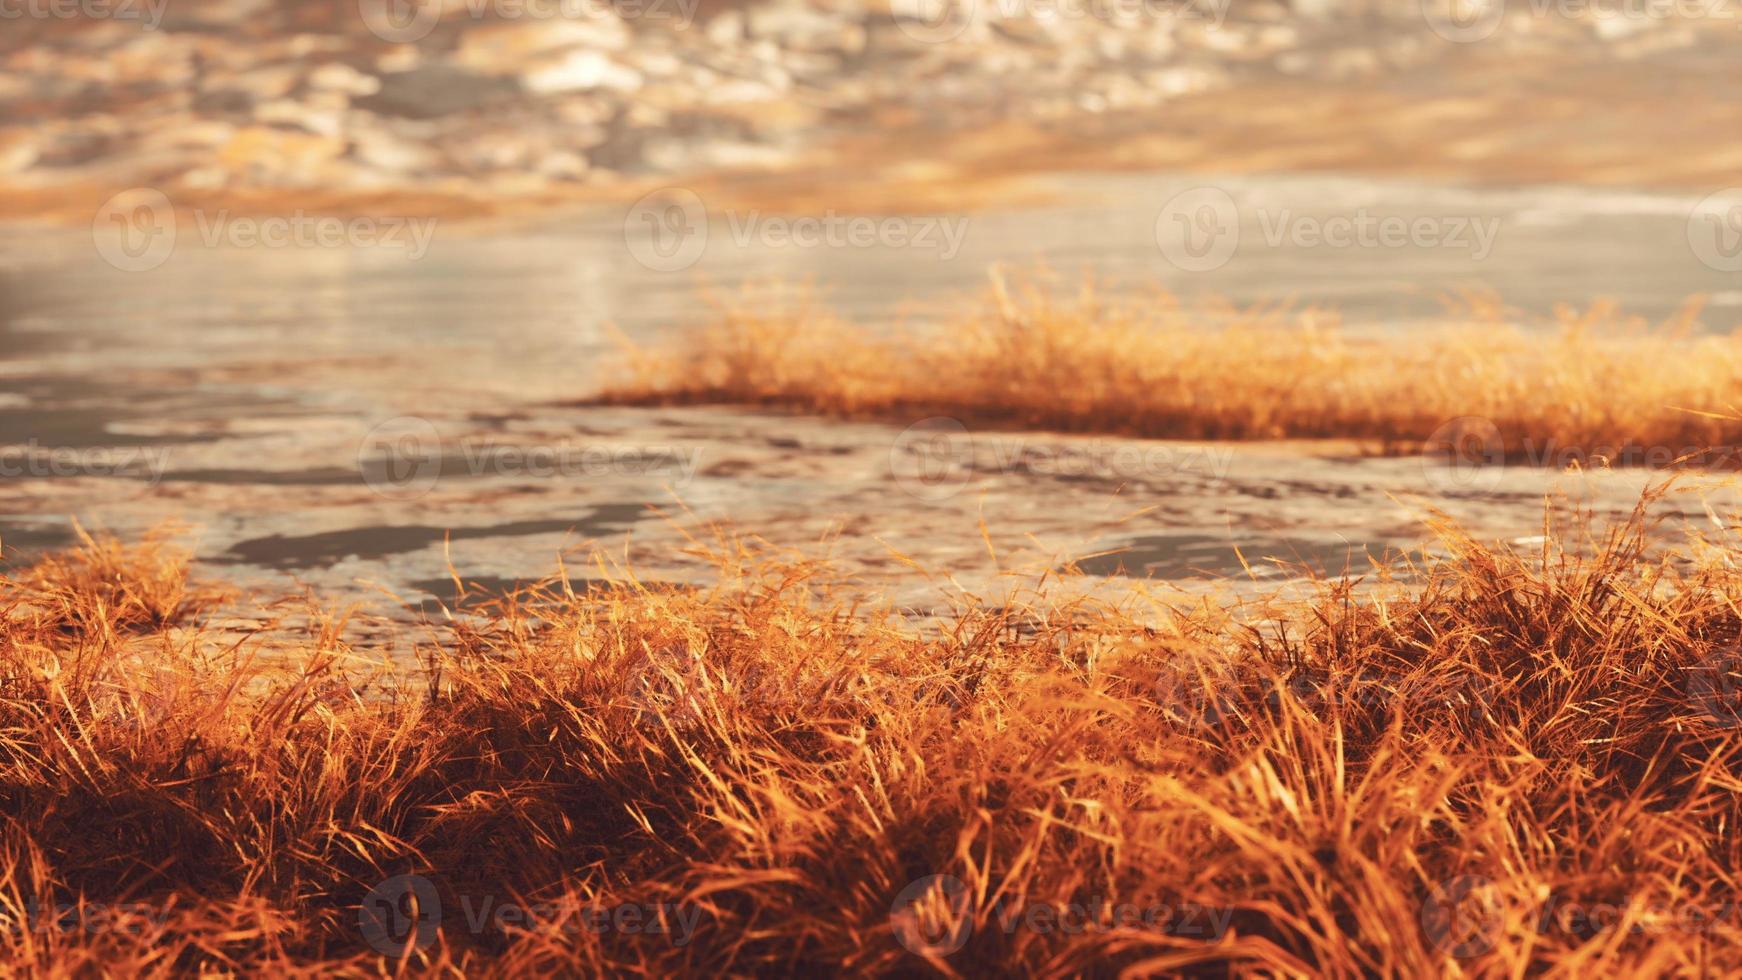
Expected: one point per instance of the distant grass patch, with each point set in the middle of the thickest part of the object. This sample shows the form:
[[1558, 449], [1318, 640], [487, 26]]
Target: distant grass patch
[[1597, 387]]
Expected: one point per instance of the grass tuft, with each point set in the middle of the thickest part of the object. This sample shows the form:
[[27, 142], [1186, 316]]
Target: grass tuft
[[1594, 382], [104, 587]]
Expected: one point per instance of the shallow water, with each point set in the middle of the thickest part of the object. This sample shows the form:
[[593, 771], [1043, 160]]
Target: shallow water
[[235, 389]]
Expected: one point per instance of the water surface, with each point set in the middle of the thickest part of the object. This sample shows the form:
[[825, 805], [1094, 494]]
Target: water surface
[[233, 389]]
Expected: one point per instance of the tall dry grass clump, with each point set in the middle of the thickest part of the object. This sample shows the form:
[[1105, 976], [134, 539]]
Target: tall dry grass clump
[[1517, 762], [1594, 381], [103, 586]]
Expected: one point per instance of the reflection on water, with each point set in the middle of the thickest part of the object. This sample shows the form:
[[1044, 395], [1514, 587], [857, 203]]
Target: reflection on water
[[318, 550], [259, 370], [1191, 555], [544, 298], [22, 541]]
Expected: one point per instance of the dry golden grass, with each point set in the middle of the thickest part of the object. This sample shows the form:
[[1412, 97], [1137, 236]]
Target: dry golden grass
[[103, 587], [1596, 382], [777, 777]]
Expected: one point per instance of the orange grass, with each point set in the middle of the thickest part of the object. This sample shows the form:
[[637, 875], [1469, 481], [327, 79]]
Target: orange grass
[[1594, 382], [778, 777], [103, 587]]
